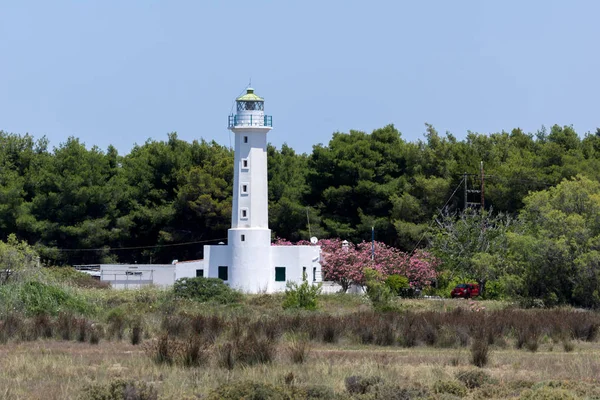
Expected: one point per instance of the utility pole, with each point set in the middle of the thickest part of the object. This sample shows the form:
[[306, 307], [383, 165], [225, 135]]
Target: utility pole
[[482, 180], [466, 189], [480, 191]]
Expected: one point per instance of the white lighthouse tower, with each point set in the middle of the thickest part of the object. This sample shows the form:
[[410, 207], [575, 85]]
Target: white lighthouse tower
[[248, 262], [250, 237]]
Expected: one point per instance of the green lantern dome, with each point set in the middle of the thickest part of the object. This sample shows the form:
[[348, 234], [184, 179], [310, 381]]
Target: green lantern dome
[[250, 96], [250, 112]]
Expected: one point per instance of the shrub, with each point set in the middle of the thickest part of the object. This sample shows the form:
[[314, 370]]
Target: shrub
[[82, 329], [43, 325], [136, 331], [117, 321], [66, 323], [33, 298], [568, 345], [205, 289], [95, 332], [226, 355], [547, 393], [317, 392], [357, 384], [450, 387], [248, 390], [175, 325], [194, 352], [480, 350], [473, 378], [10, 326], [587, 330], [378, 292], [397, 283], [397, 392], [120, 390], [430, 334], [18, 260], [255, 349], [299, 349], [162, 350], [302, 295]]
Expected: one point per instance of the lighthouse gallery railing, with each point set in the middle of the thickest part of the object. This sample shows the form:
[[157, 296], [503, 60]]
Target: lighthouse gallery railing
[[250, 120]]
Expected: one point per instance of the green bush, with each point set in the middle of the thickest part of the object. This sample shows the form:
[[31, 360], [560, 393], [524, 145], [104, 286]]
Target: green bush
[[450, 387], [548, 393], [377, 291], [397, 283], [18, 260], [248, 390], [117, 321], [357, 384], [205, 289], [120, 389], [473, 378], [301, 296], [35, 298]]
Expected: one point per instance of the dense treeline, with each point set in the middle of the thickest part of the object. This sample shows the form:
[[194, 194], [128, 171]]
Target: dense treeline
[[162, 193]]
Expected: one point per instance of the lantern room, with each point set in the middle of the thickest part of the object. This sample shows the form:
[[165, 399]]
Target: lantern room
[[250, 111]]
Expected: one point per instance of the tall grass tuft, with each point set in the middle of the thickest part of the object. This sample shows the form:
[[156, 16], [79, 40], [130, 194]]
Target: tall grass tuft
[[95, 333], [194, 353], [162, 350], [298, 349], [480, 350], [65, 325], [43, 325], [117, 321], [82, 329], [136, 331], [10, 326], [226, 355]]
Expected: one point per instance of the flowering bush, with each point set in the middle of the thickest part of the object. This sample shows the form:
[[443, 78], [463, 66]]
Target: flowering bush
[[345, 264]]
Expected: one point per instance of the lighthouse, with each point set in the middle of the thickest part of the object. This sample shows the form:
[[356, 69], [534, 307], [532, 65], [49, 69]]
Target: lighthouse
[[250, 237], [248, 262]]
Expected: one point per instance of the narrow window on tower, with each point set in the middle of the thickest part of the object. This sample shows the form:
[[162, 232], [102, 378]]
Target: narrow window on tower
[[244, 213], [245, 163], [245, 188], [245, 139], [243, 238]]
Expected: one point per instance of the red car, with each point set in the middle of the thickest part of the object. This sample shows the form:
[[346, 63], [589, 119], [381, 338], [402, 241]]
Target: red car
[[466, 290]]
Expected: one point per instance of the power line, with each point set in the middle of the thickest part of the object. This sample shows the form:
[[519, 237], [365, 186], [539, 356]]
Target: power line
[[139, 247]]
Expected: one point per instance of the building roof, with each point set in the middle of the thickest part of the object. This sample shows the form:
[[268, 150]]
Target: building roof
[[189, 261], [250, 96]]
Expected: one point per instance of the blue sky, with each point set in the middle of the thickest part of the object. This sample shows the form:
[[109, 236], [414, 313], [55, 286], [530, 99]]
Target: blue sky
[[121, 72]]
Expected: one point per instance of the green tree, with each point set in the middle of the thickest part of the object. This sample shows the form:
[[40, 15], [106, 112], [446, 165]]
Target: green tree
[[558, 253], [473, 244]]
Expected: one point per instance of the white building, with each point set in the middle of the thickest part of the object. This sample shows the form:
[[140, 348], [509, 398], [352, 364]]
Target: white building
[[248, 261]]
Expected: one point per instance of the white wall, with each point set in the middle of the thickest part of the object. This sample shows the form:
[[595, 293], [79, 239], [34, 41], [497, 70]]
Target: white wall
[[294, 259], [134, 276], [187, 269], [215, 256]]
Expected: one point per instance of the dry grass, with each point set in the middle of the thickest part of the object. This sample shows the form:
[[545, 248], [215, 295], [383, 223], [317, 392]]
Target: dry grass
[[60, 370], [424, 346]]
